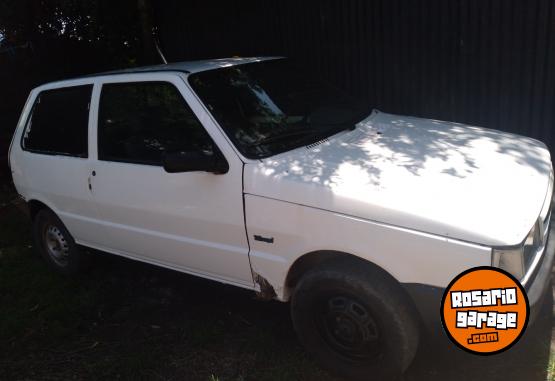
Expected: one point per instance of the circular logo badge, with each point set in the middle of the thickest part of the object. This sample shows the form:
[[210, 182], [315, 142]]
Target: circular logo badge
[[484, 310]]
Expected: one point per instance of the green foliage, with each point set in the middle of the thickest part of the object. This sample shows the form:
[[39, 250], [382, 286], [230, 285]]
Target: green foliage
[[112, 26], [47, 40], [124, 320]]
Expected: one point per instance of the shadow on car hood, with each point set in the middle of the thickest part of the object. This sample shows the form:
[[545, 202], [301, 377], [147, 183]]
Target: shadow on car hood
[[454, 180]]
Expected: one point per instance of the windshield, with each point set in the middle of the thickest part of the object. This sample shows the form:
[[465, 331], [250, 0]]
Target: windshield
[[271, 107]]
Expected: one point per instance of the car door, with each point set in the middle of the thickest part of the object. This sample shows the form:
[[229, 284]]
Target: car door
[[192, 221], [54, 161]]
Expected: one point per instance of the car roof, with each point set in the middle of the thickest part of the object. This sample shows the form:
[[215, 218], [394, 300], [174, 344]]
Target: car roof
[[188, 66], [184, 67]]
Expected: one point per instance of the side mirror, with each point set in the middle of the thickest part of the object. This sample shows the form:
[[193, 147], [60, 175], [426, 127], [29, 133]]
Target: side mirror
[[193, 161]]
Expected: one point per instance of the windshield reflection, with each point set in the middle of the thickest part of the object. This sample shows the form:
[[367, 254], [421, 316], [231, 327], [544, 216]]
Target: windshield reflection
[[270, 107]]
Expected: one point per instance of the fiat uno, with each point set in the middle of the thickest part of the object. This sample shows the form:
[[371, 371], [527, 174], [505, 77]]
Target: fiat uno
[[253, 173]]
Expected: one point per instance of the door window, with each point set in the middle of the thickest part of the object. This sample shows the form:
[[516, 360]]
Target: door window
[[59, 122], [139, 121]]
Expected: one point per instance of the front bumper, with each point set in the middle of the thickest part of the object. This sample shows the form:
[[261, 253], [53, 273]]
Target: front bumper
[[427, 299]]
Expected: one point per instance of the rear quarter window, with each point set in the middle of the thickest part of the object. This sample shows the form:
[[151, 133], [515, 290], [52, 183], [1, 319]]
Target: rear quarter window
[[58, 123]]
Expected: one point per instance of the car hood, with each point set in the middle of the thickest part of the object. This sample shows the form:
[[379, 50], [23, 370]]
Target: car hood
[[449, 179]]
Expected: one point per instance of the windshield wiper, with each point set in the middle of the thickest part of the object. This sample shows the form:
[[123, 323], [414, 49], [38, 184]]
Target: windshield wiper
[[304, 133], [285, 135]]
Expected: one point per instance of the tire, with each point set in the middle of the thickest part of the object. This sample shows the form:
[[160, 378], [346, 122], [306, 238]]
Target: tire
[[355, 321], [55, 245]]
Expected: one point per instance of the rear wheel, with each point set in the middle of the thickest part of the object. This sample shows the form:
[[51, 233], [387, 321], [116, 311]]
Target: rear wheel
[[355, 321], [56, 245]]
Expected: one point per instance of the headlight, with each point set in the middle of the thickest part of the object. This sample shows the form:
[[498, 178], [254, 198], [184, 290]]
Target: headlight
[[521, 260], [516, 260], [510, 260]]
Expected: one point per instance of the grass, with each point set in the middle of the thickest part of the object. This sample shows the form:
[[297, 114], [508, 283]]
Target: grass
[[126, 320], [551, 368], [129, 321]]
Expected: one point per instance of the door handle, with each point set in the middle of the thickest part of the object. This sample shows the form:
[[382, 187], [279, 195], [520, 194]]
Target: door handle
[[89, 180]]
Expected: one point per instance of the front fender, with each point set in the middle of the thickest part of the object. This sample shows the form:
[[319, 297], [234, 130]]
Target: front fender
[[408, 256]]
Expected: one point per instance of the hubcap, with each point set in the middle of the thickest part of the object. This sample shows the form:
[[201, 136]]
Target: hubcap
[[56, 245], [348, 327]]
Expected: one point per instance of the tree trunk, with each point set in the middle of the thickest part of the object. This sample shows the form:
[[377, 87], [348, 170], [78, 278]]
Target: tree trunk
[[30, 28], [149, 52]]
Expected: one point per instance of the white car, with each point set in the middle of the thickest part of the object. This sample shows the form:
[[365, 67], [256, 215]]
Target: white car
[[250, 172]]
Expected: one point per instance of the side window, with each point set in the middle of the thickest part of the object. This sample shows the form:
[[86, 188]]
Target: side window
[[59, 122], [139, 121]]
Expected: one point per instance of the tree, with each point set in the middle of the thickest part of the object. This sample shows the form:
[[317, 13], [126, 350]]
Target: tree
[[44, 40], [123, 29]]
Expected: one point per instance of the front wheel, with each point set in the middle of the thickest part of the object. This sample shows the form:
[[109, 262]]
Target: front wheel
[[355, 321]]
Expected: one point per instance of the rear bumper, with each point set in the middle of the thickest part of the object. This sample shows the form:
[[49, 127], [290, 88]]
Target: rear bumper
[[427, 299]]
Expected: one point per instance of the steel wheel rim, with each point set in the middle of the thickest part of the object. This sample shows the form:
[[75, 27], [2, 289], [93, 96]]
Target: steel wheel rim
[[348, 327], [56, 245]]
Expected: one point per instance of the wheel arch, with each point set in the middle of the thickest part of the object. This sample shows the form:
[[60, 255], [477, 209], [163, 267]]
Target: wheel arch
[[35, 205], [310, 260], [316, 258]]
